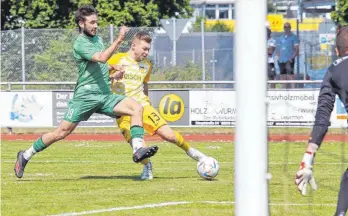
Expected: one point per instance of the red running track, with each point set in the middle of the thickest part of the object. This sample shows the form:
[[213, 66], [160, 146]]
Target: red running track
[[190, 137]]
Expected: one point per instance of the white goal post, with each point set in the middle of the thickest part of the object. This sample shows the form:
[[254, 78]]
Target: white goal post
[[251, 184]]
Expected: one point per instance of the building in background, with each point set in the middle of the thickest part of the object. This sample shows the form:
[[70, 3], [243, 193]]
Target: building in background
[[214, 9], [310, 8], [225, 9]]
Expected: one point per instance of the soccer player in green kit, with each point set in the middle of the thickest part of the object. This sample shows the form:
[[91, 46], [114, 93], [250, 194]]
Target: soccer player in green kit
[[92, 92]]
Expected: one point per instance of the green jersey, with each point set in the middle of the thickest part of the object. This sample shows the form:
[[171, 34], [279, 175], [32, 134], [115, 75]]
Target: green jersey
[[93, 77]]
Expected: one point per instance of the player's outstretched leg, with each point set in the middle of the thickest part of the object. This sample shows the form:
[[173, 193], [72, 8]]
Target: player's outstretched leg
[[23, 156], [342, 203], [133, 109], [166, 133]]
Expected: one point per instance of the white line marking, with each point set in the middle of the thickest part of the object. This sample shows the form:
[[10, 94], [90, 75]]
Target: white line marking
[[301, 204], [177, 203], [124, 208]]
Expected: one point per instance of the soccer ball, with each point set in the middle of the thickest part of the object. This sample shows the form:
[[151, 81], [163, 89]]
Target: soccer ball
[[208, 168]]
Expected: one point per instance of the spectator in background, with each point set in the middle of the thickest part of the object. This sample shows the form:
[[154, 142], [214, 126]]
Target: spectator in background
[[271, 45], [287, 52]]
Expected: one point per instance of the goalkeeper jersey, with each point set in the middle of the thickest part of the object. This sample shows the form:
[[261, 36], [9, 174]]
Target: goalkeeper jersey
[[136, 74]]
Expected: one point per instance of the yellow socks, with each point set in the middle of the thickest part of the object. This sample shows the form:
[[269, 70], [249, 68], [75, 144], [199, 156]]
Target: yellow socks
[[181, 142]]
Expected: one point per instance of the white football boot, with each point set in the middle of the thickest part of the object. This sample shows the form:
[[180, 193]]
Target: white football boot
[[147, 172], [195, 154]]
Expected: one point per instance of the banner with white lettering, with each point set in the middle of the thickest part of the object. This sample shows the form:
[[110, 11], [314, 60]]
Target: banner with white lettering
[[285, 108], [291, 108], [195, 108], [212, 108]]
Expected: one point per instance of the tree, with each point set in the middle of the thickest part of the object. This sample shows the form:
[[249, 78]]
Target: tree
[[218, 26], [35, 14], [197, 24], [5, 12], [131, 13], [36, 44], [340, 16], [48, 52], [56, 62], [170, 8], [11, 63], [187, 72], [60, 13]]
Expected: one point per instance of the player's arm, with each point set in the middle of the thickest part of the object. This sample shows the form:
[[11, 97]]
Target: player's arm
[[106, 54], [116, 72], [326, 101], [88, 51], [116, 69]]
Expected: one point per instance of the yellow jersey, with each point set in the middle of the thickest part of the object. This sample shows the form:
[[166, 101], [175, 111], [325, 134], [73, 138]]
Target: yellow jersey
[[136, 74]]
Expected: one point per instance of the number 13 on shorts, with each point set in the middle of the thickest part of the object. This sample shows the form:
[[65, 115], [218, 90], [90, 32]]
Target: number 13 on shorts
[[152, 119]]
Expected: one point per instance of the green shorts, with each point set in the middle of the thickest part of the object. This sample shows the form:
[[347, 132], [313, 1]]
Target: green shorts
[[82, 107]]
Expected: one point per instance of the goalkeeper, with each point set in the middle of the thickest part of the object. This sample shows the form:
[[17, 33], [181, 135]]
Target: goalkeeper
[[133, 83], [335, 83]]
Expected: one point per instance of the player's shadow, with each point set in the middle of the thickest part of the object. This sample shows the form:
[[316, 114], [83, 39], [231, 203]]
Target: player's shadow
[[134, 178], [46, 180]]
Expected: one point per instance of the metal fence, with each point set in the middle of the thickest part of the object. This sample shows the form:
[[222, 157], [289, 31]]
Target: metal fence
[[46, 54]]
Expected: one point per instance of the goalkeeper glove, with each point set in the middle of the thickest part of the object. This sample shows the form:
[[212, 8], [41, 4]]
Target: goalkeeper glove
[[305, 174]]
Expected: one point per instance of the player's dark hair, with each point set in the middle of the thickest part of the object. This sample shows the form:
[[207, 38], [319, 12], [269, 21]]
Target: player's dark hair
[[83, 12], [342, 41]]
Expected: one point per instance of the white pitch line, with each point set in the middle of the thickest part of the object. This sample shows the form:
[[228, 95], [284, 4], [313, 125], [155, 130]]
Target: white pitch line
[[301, 204], [124, 208], [164, 204]]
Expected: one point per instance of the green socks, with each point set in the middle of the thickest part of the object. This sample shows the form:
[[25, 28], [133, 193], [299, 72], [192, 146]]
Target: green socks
[[39, 145], [137, 131]]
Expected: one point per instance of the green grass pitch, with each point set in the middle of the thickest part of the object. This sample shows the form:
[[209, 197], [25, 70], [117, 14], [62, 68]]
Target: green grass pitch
[[99, 178]]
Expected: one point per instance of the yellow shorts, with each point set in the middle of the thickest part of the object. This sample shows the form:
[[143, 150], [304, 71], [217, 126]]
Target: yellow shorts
[[152, 120]]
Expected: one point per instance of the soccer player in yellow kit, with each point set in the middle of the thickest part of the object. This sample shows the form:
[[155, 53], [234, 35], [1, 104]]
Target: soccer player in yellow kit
[[133, 83]]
